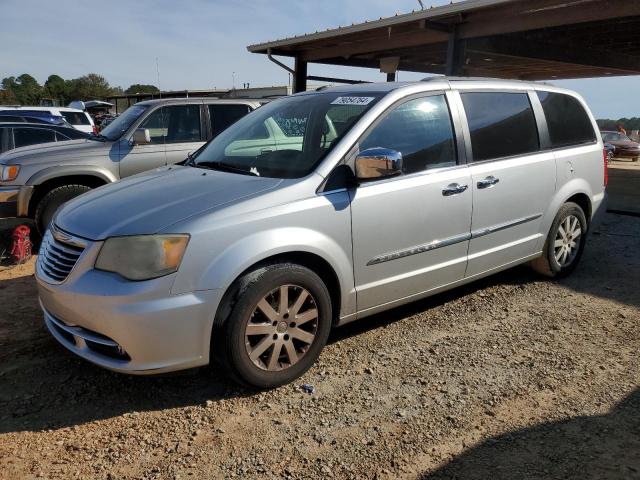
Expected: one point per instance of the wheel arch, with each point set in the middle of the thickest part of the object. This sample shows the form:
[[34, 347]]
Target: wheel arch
[[46, 184]]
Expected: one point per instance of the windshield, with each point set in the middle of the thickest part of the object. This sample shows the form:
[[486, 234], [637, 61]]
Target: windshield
[[615, 137], [286, 138], [123, 122]]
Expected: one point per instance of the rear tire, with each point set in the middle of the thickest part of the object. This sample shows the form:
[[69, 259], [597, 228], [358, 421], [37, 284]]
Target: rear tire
[[279, 320], [565, 243], [52, 201]]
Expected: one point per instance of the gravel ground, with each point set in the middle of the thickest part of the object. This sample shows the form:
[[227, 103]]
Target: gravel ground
[[512, 377]]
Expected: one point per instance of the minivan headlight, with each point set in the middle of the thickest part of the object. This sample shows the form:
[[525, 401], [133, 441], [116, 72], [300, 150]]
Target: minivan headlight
[[9, 172], [142, 257]]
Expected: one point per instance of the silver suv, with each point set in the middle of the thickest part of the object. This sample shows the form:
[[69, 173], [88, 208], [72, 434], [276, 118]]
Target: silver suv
[[36, 180], [316, 210]]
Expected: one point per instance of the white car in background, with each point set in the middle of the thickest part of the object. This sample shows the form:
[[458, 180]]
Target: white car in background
[[79, 119]]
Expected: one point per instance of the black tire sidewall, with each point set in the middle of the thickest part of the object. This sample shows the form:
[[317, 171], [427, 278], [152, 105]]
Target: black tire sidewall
[[52, 201], [266, 280], [567, 209]]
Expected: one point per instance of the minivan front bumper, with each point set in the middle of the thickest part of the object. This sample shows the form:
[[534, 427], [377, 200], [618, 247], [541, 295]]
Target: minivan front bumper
[[130, 327]]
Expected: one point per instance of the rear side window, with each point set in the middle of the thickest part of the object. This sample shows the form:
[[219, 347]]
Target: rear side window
[[31, 136], [421, 130], [223, 116], [10, 118], [567, 121], [501, 124], [61, 137], [76, 118]]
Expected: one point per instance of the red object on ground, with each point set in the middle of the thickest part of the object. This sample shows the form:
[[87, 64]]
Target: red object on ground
[[21, 249]]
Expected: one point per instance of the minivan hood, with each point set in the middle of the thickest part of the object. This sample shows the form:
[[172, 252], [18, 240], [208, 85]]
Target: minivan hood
[[146, 203], [53, 151]]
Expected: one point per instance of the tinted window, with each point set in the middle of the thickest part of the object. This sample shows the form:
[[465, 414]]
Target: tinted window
[[501, 124], [174, 124], [567, 121], [76, 118], [223, 116], [10, 118], [419, 129], [30, 136], [60, 137]]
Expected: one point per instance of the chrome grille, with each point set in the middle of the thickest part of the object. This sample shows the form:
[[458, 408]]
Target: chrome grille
[[59, 253]]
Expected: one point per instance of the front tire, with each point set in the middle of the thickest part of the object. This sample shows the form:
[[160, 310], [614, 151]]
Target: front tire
[[279, 322], [52, 201], [565, 243]]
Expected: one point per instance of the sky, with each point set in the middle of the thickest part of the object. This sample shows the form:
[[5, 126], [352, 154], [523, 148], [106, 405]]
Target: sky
[[202, 43]]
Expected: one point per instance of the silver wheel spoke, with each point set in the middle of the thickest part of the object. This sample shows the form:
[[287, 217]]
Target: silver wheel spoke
[[274, 355], [284, 299], [267, 310], [562, 232], [298, 305], [306, 337], [577, 233], [291, 352], [307, 316], [261, 347], [558, 254], [260, 329], [558, 243]]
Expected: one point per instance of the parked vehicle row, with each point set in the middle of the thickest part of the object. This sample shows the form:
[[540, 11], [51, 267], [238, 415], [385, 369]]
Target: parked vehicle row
[[79, 119], [621, 146], [38, 179], [24, 134], [313, 211]]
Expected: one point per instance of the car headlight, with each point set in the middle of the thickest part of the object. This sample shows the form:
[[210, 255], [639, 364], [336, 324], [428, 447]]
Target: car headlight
[[9, 172], [142, 257]]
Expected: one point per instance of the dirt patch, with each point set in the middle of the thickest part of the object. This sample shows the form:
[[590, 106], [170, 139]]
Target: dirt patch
[[510, 377]]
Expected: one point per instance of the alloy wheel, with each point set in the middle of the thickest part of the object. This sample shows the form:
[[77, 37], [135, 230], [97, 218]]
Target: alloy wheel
[[567, 240], [282, 327]]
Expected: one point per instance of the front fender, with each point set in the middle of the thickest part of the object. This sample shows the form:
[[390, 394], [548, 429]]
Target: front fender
[[252, 249], [71, 170]]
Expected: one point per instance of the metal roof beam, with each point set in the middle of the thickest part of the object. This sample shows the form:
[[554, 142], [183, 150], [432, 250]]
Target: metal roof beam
[[520, 47]]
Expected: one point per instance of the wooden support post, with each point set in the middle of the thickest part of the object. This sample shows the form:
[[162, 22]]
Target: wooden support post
[[300, 76]]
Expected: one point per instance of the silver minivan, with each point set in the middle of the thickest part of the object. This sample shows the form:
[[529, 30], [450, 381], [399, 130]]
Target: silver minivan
[[316, 210]]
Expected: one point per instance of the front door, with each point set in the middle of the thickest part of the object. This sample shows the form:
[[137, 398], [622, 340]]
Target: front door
[[174, 130], [513, 180], [411, 233]]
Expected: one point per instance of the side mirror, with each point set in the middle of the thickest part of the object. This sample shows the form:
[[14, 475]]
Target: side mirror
[[141, 136], [377, 163]]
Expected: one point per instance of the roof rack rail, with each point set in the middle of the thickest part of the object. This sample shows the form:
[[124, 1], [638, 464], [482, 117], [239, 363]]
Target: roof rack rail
[[459, 79]]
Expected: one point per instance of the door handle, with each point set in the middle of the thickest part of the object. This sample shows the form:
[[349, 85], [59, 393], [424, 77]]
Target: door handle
[[488, 182], [454, 189], [264, 151]]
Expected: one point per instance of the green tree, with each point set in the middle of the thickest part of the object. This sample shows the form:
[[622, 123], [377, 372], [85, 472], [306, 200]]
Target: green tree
[[142, 88], [7, 97], [25, 89], [56, 88], [88, 87]]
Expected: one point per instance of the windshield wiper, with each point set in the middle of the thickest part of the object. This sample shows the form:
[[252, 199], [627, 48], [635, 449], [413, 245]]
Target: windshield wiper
[[225, 167], [98, 137]]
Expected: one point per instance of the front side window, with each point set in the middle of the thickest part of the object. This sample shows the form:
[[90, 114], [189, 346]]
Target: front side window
[[501, 124], [567, 120], [288, 137], [223, 116], [31, 136], [420, 130], [174, 124], [615, 137]]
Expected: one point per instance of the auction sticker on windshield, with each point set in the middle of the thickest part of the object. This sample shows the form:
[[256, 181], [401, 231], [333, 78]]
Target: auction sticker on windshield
[[353, 101]]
